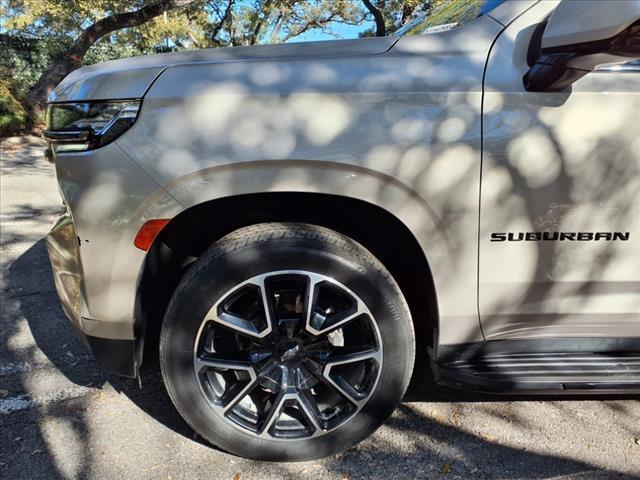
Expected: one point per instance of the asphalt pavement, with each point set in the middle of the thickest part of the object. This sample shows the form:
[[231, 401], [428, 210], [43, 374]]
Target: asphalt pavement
[[62, 417]]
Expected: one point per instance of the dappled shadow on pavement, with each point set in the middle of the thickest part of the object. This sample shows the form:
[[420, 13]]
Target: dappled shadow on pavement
[[427, 436], [436, 431]]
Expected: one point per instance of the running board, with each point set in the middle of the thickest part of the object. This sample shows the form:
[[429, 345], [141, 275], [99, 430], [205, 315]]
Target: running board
[[545, 373]]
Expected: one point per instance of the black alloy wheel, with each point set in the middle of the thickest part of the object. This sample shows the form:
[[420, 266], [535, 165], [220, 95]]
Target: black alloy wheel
[[286, 342]]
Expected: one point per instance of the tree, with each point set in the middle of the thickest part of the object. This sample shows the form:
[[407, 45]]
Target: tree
[[381, 28], [86, 37], [68, 34], [242, 22], [390, 15]]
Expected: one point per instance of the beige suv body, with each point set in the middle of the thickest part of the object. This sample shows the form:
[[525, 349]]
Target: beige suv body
[[508, 214]]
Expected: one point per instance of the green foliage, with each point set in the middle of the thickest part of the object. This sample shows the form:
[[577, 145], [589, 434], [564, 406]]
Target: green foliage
[[13, 116], [24, 59], [107, 49], [37, 35], [59, 18], [452, 12], [276, 21], [397, 13]]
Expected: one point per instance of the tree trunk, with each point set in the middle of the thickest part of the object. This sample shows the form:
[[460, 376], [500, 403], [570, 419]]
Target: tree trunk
[[276, 29], [262, 18], [226, 18], [72, 58], [381, 29], [407, 12]]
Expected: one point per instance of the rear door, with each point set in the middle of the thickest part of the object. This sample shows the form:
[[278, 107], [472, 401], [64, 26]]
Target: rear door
[[559, 244]]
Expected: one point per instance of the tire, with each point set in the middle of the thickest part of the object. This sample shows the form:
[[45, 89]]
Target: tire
[[359, 370]]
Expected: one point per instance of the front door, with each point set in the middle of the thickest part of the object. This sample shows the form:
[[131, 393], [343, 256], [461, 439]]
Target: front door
[[559, 251]]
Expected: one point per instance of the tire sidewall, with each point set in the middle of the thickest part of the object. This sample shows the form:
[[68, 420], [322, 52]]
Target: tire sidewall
[[220, 270]]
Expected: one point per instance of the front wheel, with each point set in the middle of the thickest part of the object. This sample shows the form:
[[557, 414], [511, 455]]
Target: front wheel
[[286, 342]]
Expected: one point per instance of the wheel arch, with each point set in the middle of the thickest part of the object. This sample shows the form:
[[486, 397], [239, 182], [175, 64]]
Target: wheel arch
[[183, 239]]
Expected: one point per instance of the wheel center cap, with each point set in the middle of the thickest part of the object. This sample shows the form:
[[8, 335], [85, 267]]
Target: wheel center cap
[[290, 352]]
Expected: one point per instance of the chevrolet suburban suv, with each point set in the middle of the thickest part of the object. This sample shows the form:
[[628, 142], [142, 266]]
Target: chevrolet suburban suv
[[289, 226]]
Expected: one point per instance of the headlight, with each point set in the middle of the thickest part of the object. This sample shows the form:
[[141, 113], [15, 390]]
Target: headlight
[[78, 126]]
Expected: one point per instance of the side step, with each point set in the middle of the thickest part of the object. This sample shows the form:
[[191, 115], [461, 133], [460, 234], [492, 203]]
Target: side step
[[545, 373]]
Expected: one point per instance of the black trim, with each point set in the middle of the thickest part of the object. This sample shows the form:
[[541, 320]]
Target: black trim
[[115, 356], [97, 100], [543, 366], [556, 68], [625, 44], [468, 351], [535, 45], [87, 138], [65, 136], [48, 155]]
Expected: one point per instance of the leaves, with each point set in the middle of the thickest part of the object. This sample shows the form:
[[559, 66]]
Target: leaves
[[200, 24], [64, 35], [396, 13], [203, 23], [13, 117]]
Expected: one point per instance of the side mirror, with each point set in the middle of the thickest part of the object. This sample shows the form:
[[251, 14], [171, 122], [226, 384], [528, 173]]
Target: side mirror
[[578, 36]]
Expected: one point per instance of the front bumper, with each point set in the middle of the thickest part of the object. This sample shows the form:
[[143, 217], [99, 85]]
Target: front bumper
[[91, 247], [113, 355], [64, 255]]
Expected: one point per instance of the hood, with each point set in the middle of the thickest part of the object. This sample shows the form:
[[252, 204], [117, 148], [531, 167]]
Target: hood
[[131, 77]]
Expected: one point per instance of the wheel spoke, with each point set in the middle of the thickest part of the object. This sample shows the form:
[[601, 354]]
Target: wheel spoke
[[241, 325], [311, 301], [266, 304], [352, 355], [310, 409], [314, 318], [341, 323], [341, 355], [347, 391], [340, 386], [222, 364], [282, 362], [339, 383], [236, 393], [273, 414]]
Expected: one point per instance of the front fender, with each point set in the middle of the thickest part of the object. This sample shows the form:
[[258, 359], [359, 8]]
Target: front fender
[[399, 129], [452, 261]]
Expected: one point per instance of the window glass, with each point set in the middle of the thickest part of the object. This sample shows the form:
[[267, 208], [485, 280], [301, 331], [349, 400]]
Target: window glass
[[448, 14]]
